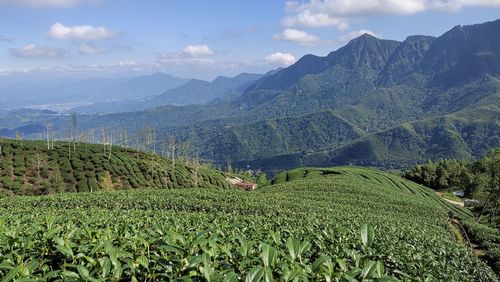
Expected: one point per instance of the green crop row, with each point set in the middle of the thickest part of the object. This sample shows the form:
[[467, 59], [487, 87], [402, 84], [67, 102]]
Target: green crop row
[[349, 226], [29, 168]]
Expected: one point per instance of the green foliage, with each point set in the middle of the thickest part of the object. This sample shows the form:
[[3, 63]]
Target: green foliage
[[20, 165], [444, 174], [356, 224], [487, 238], [479, 179]]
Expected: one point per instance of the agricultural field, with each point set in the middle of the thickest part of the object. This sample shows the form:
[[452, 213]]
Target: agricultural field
[[30, 168], [341, 224]]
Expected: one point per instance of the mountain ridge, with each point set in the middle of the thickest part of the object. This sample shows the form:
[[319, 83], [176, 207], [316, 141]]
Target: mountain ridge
[[371, 86]]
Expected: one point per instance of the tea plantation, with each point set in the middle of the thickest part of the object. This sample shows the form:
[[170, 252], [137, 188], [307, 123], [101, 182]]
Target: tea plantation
[[342, 224], [29, 168]]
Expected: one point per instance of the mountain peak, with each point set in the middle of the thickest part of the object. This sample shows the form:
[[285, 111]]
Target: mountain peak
[[364, 38]]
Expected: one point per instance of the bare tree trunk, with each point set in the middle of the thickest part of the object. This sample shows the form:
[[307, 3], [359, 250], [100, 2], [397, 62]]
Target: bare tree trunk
[[48, 125], [74, 129], [493, 214], [484, 207], [39, 160], [110, 147], [154, 141]]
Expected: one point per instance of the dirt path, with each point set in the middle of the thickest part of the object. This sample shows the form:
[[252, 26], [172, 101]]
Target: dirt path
[[440, 194], [463, 238]]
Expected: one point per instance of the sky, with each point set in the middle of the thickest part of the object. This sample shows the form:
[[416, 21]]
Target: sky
[[205, 39]]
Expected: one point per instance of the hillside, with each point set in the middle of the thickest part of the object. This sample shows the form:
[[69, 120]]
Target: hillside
[[324, 224], [28, 168], [372, 102]]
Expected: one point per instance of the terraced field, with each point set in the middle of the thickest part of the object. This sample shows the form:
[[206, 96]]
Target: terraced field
[[329, 225], [29, 168]]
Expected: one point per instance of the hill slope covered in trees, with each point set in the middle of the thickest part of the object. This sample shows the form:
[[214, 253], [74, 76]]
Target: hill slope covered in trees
[[372, 102]]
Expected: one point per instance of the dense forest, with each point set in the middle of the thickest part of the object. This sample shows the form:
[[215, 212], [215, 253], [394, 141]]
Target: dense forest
[[478, 179]]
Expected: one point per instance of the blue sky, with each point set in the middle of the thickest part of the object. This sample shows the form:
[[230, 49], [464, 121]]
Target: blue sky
[[204, 39]]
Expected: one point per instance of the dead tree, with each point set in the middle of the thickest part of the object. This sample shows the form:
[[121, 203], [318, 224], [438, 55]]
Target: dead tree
[[39, 159], [48, 127], [74, 129], [172, 146], [123, 137]]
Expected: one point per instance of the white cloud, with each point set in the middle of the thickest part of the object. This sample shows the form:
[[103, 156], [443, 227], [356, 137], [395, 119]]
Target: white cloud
[[298, 36], [3, 72], [457, 5], [35, 51], [356, 33], [280, 59], [91, 49], [42, 3], [197, 51], [80, 32], [175, 60], [341, 13], [309, 19]]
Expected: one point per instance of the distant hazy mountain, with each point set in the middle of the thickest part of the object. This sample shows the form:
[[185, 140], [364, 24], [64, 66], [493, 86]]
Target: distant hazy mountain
[[372, 102], [21, 91], [201, 92], [193, 92]]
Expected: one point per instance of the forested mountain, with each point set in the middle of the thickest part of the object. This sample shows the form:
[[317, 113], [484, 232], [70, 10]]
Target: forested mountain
[[373, 102]]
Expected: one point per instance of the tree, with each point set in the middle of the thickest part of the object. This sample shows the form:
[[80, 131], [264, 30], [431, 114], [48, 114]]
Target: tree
[[172, 146], [123, 137], [19, 137], [39, 159], [48, 127], [196, 165], [492, 183], [106, 182], [262, 179], [229, 167], [74, 129]]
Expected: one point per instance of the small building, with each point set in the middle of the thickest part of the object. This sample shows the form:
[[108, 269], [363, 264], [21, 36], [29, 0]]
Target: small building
[[247, 186], [234, 180], [238, 182], [471, 202]]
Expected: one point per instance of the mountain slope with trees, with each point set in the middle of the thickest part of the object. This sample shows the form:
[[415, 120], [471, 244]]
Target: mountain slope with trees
[[373, 102]]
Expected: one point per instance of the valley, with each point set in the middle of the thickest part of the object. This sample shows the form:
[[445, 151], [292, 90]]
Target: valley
[[177, 141]]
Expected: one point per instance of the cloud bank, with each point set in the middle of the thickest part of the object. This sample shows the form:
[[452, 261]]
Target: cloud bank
[[34, 51], [298, 36], [341, 13], [80, 32], [197, 51], [280, 59]]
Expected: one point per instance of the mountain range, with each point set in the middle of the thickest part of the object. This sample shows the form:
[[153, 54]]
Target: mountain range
[[372, 102], [192, 92]]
